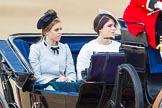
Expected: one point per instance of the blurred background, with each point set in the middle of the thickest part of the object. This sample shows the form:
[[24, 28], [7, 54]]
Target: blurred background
[[77, 15], [21, 16]]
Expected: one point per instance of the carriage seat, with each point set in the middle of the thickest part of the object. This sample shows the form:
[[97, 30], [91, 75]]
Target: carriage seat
[[24, 46], [18, 72], [75, 42], [20, 44]]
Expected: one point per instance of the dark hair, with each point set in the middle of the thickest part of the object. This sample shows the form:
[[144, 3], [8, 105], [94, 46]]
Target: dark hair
[[100, 21]]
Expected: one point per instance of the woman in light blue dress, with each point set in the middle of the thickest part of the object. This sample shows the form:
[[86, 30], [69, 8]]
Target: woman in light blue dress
[[50, 59]]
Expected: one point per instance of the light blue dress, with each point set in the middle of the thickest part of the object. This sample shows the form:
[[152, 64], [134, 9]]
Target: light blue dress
[[47, 65]]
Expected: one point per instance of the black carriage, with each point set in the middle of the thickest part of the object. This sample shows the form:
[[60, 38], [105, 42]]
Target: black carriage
[[113, 80]]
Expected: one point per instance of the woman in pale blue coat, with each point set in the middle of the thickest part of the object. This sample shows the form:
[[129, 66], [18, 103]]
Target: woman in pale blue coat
[[50, 59]]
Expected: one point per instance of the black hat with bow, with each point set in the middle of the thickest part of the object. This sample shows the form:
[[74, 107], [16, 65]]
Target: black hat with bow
[[45, 20]]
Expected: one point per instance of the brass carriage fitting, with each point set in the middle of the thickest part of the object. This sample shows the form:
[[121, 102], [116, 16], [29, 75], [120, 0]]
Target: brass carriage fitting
[[160, 39], [159, 46]]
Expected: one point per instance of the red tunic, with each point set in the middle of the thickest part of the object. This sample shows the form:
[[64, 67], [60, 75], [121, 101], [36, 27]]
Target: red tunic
[[137, 11]]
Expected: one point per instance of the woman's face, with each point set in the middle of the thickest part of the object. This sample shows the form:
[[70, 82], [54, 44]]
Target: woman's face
[[55, 32], [108, 29]]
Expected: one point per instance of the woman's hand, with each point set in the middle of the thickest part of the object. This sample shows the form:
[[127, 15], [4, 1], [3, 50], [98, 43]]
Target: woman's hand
[[68, 80], [63, 79]]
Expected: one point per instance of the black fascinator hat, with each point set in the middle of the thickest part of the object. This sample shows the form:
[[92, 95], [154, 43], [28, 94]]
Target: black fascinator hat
[[45, 20]]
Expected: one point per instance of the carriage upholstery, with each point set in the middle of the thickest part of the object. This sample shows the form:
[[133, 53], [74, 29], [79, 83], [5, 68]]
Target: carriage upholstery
[[10, 57], [15, 51], [13, 62], [74, 40], [23, 44], [19, 44], [145, 59]]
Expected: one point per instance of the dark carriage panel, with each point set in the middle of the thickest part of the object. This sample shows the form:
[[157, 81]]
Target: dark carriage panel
[[104, 66], [145, 59], [53, 99], [91, 95], [135, 49], [128, 37]]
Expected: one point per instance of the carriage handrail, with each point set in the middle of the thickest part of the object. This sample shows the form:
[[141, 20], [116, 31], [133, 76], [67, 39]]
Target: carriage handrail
[[130, 46], [139, 23]]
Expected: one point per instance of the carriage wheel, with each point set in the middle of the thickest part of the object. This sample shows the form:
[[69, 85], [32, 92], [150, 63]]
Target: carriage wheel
[[117, 100]]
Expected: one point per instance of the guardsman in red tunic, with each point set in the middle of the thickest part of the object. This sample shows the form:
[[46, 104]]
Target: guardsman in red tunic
[[149, 13]]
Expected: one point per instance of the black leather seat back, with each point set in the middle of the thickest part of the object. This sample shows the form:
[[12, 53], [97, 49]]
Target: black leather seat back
[[104, 66]]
